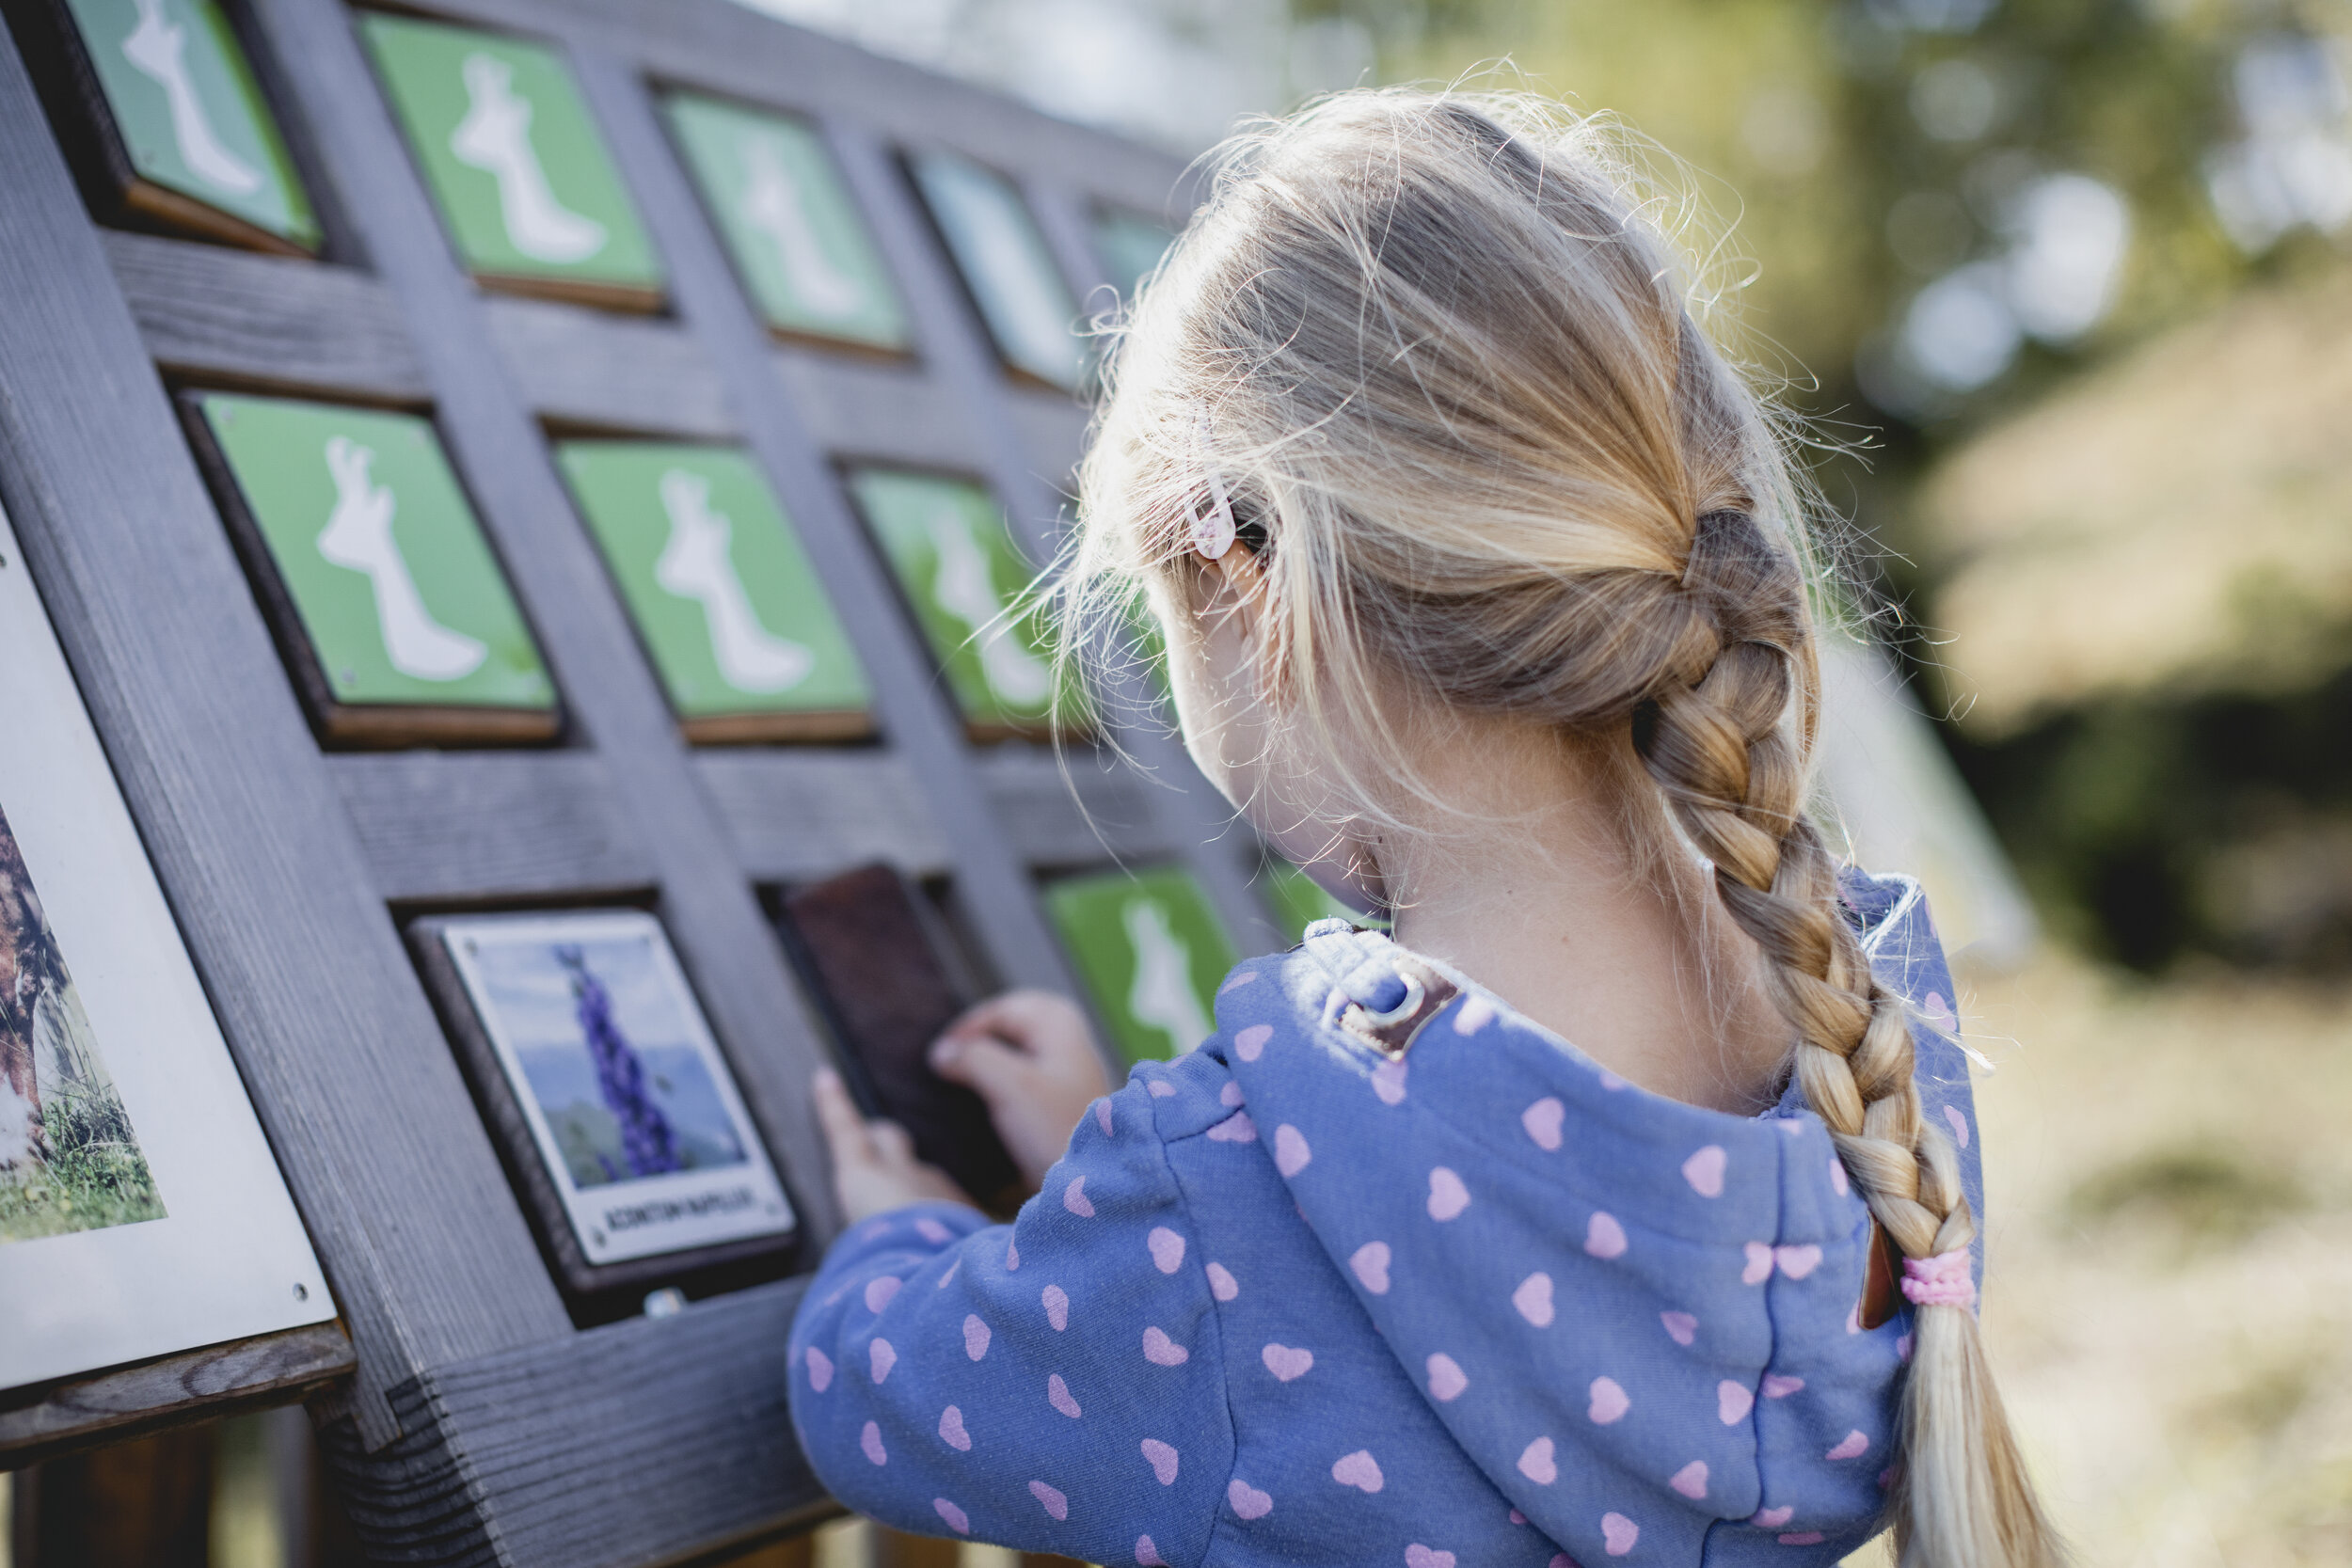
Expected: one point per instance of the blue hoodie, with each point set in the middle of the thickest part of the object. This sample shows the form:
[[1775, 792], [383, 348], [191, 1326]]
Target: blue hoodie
[[1295, 1298]]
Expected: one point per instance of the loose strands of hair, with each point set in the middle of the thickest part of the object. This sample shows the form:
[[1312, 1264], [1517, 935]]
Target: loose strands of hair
[[1499, 462]]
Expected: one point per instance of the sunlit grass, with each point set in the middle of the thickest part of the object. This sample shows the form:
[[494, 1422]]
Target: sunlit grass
[[94, 1177]]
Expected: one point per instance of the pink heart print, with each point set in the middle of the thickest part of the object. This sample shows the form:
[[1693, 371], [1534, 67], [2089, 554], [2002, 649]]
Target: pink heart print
[[975, 1336], [1222, 1284], [1959, 1125], [1360, 1470], [1733, 1401], [1618, 1533], [932, 1232], [956, 1519], [1797, 1261], [1604, 1237], [1388, 1082], [1370, 1265], [1419, 1555], [1167, 1249], [880, 1358], [1609, 1401], [1760, 1264], [1247, 1500], [1446, 1378], [1448, 1198], [1057, 1307], [1012, 1257], [1287, 1362], [1102, 1116], [1837, 1181], [1681, 1327], [1542, 1121], [1772, 1518], [951, 1430], [1051, 1499], [1229, 1095], [1147, 1554], [1537, 1463], [1534, 1299], [1852, 1446], [819, 1370], [878, 1292], [1249, 1042], [1291, 1152], [1074, 1197], [1474, 1015], [1161, 1351], [1705, 1171], [1057, 1395], [1162, 1459], [1237, 981], [1236, 1129], [1691, 1481], [869, 1440], [1939, 1012], [1161, 1088], [1779, 1387]]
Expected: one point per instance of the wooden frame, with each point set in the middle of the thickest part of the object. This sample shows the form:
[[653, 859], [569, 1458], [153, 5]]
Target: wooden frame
[[483, 1422]]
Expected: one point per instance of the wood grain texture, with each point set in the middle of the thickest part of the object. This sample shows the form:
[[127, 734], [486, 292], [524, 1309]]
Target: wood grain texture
[[452, 827], [646, 1441], [245, 830], [795, 815], [219, 1380], [886, 413], [1078, 809], [226, 318], [586, 370]]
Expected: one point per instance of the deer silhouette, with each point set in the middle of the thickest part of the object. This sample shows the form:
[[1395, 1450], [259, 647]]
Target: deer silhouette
[[495, 137], [774, 205], [966, 589], [358, 535], [157, 47], [695, 565], [1161, 996]]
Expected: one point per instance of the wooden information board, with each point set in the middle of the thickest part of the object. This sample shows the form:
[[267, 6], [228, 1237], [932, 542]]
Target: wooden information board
[[521, 292]]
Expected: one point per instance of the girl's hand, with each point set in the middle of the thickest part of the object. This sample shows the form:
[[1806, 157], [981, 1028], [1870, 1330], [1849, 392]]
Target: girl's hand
[[874, 1167], [1031, 1057]]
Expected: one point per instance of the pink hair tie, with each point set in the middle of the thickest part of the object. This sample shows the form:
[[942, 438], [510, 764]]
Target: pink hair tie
[[1942, 1280]]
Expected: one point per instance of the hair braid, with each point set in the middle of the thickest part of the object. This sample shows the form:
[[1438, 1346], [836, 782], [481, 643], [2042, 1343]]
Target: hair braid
[[1720, 749]]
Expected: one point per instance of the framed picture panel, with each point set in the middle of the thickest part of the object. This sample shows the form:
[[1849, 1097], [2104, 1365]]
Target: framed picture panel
[[1150, 951], [140, 1210], [963, 577], [394, 615], [1023, 298], [721, 590], [523, 179], [612, 1104], [171, 129], [796, 237]]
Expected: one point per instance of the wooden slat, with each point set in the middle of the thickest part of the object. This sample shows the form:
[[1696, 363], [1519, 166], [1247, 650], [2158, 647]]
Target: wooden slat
[[592, 369], [246, 829], [220, 1380], [649, 1440], [1075, 811], [794, 816], [475, 827], [231, 317], [890, 413]]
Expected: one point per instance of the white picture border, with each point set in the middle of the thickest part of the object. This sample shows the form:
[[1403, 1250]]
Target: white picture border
[[231, 1259], [663, 1210]]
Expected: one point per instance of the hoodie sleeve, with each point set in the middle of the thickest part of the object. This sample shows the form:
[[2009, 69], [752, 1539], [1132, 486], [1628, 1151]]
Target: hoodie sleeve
[[1053, 1385]]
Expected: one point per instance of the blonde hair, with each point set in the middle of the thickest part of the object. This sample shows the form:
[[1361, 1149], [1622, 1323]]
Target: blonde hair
[[1452, 380]]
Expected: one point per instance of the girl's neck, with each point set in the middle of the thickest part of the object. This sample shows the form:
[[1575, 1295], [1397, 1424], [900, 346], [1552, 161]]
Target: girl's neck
[[1545, 897]]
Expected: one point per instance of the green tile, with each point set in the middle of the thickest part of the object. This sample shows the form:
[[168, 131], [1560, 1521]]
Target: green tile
[[1130, 245], [1152, 953], [523, 179], [1020, 293], [183, 97], [956, 563], [796, 239], [715, 579], [372, 536]]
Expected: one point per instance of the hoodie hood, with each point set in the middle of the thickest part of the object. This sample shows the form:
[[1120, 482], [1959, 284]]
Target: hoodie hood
[[1638, 1318]]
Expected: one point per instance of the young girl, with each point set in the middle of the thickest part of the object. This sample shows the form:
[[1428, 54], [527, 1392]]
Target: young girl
[[1480, 578]]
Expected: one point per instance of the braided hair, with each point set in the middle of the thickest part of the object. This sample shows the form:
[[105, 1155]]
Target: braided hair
[[1436, 350]]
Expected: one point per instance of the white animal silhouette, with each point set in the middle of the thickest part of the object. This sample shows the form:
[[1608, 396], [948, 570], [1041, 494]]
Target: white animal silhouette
[[157, 48], [1038, 317], [694, 565], [495, 137], [1162, 996], [966, 590], [772, 204], [358, 535]]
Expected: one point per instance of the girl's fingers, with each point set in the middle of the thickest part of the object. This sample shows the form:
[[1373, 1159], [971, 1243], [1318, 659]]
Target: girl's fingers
[[892, 1146], [844, 1130]]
